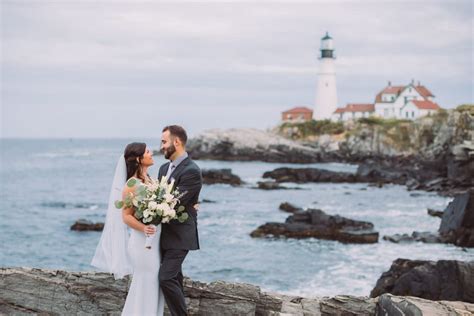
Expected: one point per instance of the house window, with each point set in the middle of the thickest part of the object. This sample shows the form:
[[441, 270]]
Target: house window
[[393, 98], [412, 113], [406, 114]]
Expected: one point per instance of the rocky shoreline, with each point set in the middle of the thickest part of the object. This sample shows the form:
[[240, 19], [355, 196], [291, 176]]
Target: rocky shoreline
[[433, 153], [25, 291]]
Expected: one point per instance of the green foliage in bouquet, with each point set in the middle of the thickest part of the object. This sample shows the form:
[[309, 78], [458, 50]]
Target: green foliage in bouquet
[[154, 202]]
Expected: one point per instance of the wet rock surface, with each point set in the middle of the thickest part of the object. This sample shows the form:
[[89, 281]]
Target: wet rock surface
[[315, 223]]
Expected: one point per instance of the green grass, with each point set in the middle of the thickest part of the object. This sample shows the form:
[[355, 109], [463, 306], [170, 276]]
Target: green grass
[[386, 123], [313, 128], [466, 108]]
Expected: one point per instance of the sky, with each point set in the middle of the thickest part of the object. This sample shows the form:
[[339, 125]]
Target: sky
[[112, 69]]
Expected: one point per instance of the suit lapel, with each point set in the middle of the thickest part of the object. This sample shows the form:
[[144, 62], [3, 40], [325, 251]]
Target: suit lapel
[[179, 167], [162, 171]]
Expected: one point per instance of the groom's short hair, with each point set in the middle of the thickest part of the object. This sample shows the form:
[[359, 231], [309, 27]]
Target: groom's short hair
[[177, 131]]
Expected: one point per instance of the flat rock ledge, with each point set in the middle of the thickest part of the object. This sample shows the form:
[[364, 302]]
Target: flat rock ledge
[[25, 291]]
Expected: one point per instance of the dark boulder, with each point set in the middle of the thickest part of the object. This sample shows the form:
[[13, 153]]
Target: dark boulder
[[225, 176], [457, 223], [288, 207], [449, 280], [269, 185], [86, 225], [425, 237], [315, 223], [435, 213]]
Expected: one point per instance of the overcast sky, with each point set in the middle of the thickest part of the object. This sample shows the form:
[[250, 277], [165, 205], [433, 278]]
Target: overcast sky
[[125, 69]]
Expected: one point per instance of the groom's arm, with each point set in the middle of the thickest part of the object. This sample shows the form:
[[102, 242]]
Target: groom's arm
[[190, 185]]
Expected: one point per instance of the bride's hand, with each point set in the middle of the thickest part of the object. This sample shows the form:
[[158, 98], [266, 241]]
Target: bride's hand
[[149, 230], [196, 207]]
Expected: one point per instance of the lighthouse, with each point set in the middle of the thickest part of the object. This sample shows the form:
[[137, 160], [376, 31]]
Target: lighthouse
[[326, 95]]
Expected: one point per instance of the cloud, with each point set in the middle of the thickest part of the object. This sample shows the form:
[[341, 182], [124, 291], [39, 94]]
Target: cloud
[[223, 56]]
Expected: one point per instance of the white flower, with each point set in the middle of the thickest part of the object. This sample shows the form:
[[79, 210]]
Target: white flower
[[153, 205], [170, 186], [168, 197]]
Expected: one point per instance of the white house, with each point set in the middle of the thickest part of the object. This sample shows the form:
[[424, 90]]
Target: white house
[[415, 109], [392, 102], [389, 101], [353, 111]]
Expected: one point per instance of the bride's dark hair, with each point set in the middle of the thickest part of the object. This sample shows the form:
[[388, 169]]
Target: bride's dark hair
[[133, 155]]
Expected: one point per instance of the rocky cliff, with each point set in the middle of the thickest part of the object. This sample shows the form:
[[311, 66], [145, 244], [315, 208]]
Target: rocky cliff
[[445, 133]]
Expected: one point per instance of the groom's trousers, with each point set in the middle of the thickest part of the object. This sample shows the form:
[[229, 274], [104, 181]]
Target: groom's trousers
[[171, 280]]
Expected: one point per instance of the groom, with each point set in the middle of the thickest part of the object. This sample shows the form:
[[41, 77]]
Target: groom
[[178, 238]]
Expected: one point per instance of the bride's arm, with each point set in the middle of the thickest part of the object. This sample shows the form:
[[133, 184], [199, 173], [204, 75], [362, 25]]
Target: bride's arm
[[129, 218]]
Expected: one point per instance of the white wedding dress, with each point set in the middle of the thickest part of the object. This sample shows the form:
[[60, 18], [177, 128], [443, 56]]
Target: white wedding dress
[[144, 296], [122, 254]]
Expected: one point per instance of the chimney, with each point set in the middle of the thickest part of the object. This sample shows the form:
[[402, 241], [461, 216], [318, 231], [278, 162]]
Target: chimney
[[389, 83], [413, 81]]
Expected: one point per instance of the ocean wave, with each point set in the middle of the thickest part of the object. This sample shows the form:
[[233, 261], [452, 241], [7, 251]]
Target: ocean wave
[[67, 205], [74, 153]]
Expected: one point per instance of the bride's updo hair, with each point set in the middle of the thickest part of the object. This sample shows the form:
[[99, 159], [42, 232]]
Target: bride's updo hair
[[133, 155]]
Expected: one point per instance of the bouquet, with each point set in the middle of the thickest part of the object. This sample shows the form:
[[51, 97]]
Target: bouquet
[[154, 203]]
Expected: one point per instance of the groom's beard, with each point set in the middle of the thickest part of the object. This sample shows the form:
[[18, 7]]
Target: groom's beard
[[169, 151]]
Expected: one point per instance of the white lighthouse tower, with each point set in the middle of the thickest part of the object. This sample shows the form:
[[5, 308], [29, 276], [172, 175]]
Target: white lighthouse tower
[[326, 95]]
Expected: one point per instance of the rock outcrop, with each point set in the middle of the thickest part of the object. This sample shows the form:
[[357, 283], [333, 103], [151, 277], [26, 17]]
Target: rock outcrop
[[435, 213], [402, 171], [37, 291], [272, 185], [457, 223], [315, 223], [305, 175], [26, 291], [442, 280], [224, 176], [87, 225], [426, 237], [289, 208], [407, 306], [249, 145]]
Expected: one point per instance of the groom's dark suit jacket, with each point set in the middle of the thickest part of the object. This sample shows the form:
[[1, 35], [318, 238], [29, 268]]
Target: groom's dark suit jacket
[[188, 178]]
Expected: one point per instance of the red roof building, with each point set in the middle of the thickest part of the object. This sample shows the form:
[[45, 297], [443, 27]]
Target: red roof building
[[414, 109], [426, 105], [300, 113], [353, 111]]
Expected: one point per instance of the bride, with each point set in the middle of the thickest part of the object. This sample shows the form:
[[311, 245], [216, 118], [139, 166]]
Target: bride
[[121, 254]]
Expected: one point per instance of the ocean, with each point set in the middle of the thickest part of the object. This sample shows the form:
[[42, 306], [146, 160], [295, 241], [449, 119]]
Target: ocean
[[46, 185]]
